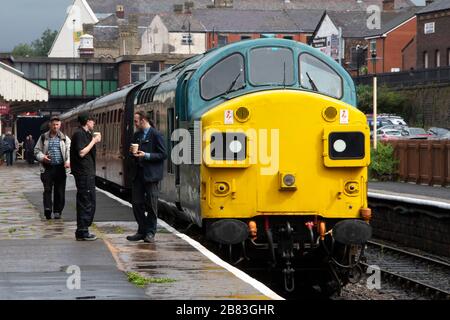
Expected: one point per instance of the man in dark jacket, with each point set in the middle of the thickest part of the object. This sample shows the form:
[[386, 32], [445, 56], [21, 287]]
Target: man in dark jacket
[[9, 147], [148, 171], [82, 157]]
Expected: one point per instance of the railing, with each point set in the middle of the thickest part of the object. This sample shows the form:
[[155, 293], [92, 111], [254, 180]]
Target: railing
[[423, 161], [408, 78]]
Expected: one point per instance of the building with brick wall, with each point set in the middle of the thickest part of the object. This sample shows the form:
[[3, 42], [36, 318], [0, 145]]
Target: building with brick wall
[[433, 40], [390, 48]]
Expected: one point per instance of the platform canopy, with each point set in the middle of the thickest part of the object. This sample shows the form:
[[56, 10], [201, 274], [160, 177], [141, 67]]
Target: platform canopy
[[19, 93]]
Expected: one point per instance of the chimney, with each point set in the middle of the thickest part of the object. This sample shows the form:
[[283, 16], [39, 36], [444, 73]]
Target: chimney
[[388, 5], [86, 48], [120, 12], [188, 6], [178, 8], [428, 2]]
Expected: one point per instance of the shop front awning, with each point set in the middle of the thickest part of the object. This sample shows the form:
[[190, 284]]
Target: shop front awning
[[19, 92]]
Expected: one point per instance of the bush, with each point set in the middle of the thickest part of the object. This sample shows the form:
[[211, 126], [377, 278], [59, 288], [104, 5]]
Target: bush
[[383, 165]]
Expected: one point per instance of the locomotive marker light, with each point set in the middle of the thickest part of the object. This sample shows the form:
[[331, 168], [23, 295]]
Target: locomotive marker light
[[339, 145]]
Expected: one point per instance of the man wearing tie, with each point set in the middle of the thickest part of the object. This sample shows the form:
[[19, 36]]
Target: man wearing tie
[[148, 171]]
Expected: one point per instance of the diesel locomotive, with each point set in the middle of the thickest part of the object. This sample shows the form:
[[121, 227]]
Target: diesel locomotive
[[267, 154]]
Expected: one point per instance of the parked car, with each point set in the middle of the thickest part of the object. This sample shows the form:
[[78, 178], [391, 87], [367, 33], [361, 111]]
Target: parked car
[[439, 133], [388, 134], [415, 133], [384, 120]]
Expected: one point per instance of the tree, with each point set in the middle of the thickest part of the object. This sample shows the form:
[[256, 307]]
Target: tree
[[389, 101], [23, 50], [39, 47], [43, 45]]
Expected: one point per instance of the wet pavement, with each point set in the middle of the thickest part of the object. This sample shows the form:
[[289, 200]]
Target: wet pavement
[[35, 253], [425, 192]]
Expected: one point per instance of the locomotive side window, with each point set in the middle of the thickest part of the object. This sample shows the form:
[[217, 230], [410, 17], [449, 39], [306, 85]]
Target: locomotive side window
[[316, 75], [271, 66], [225, 76]]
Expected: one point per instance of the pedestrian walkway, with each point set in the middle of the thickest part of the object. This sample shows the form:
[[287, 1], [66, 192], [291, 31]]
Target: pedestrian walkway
[[438, 196], [36, 253]]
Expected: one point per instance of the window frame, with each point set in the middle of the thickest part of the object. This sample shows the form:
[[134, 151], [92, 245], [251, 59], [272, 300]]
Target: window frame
[[327, 64], [249, 61], [244, 71]]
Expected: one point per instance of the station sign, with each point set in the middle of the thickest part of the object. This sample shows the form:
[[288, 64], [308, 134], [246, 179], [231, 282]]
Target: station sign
[[4, 108]]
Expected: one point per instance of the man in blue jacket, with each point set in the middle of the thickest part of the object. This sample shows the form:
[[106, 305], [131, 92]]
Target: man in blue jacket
[[148, 171]]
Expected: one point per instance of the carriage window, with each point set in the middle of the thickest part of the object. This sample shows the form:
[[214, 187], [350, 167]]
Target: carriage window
[[225, 76], [271, 66], [120, 116], [318, 76]]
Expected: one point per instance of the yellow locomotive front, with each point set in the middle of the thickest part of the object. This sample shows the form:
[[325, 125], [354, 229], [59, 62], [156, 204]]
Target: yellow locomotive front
[[285, 167]]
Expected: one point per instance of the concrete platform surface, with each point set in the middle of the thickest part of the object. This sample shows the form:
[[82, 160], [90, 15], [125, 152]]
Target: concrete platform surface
[[424, 192], [35, 253]]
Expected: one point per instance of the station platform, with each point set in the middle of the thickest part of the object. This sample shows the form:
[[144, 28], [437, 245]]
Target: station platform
[[38, 256], [409, 192]]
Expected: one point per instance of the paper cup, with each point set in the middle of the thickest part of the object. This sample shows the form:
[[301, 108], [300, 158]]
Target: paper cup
[[134, 147]]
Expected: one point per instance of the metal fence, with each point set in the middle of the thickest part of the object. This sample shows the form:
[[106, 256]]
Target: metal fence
[[423, 161], [408, 78]]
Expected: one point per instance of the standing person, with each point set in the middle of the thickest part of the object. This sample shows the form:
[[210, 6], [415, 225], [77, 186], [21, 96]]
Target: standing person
[[9, 142], [148, 171], [29, 149], [52, 150], [82, 155]]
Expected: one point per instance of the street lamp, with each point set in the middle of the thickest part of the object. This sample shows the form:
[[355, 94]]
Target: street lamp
[[183, 27]]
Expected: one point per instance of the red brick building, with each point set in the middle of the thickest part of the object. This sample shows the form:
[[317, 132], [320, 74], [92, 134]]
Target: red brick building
[[389, 48], [433, 39]]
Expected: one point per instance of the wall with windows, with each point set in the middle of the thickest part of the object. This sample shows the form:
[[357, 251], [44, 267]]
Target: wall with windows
[[390, 47], [181, 44], [433, 39], [219, 39], [72, 79]]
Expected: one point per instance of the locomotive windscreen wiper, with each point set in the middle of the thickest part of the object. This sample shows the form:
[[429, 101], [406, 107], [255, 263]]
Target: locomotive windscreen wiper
[[233, 83], [311, 82]]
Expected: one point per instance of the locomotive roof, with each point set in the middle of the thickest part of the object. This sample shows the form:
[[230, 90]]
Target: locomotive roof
[[199, 64]]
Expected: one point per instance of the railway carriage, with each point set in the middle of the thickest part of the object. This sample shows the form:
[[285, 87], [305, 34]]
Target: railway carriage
[[267, 153]]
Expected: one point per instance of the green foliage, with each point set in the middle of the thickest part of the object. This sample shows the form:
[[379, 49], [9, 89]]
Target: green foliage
[[23, 50], [39, 47], [383, 164], [141, 281], [389, 101]]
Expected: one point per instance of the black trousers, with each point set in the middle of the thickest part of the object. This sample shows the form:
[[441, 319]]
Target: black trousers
[[9, 155], [54, 181], [85, 203], [145, 198]]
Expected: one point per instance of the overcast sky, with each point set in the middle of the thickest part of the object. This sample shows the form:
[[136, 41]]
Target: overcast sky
[[22, 21]]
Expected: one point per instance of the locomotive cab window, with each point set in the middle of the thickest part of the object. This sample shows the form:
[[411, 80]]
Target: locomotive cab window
[[271, 66], [225, 76], [317, 76]]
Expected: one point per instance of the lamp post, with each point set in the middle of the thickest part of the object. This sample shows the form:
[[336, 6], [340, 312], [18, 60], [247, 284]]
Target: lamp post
[[183, 27]]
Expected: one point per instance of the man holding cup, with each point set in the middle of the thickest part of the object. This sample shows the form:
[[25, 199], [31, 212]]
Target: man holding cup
[[149, 152], [82, 155]]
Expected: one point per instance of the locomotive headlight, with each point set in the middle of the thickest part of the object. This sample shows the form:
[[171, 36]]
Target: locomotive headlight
[[228, 146], [235, 146], [339, 145], [289, 180], [346, 145]]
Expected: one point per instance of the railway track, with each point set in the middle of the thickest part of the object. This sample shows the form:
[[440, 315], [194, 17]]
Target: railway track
[[428, 275]]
